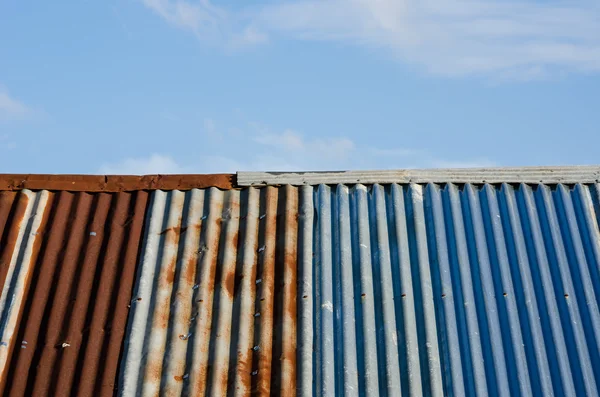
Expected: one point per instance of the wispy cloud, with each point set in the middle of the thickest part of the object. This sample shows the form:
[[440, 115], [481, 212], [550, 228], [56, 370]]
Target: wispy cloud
[[10, 107], [260, 149], [519, 39], [155, 164], [209, 23]]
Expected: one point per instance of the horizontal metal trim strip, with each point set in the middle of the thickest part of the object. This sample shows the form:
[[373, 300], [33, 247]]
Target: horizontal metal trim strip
[[114, 183], [547, 175]]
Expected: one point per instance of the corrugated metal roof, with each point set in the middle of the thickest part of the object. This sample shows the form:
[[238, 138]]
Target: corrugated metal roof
[[69, 274], [216, 296], [331, 289], [412, 289]]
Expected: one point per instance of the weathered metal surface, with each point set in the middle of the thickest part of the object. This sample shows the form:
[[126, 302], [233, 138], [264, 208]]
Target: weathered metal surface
[[473, 290], [396, 289], [215, 305], [114, 183], [418, 289], [547, 175], [369, 290], [70, 276]]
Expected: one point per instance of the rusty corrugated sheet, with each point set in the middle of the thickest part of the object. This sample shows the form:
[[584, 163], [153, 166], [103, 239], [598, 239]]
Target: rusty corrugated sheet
[[215, 307], [71, 269]]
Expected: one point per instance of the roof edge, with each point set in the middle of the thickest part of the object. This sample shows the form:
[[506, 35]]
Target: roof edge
[[115, 183], [547, 175]]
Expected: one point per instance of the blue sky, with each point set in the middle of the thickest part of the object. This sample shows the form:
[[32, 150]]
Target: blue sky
[[194, 86]]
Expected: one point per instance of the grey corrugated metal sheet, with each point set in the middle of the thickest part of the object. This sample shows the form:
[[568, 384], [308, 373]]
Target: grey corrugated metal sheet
[[368, 290], [215, 305], [548, 175]]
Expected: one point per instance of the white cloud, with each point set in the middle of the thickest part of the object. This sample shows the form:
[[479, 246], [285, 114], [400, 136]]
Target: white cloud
[[521, 39], [262, 150], [209, 23], [11, 107], [155, 164]]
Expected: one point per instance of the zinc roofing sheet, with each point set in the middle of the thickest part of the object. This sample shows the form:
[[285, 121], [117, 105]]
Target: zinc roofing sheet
[[302, 289]]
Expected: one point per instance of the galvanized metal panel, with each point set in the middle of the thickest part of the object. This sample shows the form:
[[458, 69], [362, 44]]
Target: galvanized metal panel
[[70, 277], [216, 301], [548, 175], [397, 289]]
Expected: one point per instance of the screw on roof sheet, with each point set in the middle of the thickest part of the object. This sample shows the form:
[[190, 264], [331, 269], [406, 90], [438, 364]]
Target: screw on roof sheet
[[186, 376], [204, 217], [196, 286], [185, 337], [256, 348], [259, 281], [24, 342], [261, 249], [65, 345], [256, 314], [263, 216], [92, 233], [254, 373]]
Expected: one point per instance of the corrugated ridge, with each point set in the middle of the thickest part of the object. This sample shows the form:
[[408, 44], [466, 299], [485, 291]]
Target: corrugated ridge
[[75, 305], [215, 308]]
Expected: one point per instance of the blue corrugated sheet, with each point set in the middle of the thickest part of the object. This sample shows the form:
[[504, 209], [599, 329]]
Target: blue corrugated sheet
[[402, 289], [455, 290]]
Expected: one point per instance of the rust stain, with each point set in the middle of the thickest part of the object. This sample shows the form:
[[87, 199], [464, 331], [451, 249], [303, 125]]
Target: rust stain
[[230, 282], [176, 230], [178, 378], [163, 313], [154, 371], [234, 240], [170, 272], [190, 271], [115, 183], [244, 368]]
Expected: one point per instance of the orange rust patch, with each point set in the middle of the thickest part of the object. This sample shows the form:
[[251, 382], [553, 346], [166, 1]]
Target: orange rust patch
[[170, 275], [178, 378], [230, 283], [154, 371], [163, 314], [190, 272], [234, 239], [224, 381]]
